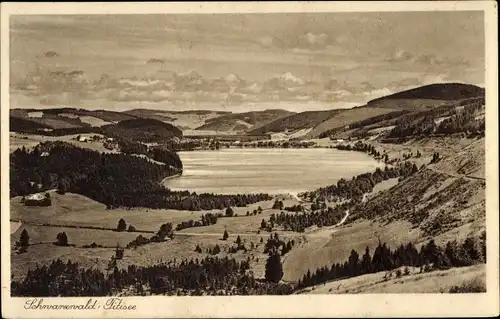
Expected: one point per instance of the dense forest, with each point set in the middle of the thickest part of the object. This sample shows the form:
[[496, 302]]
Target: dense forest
[[117, 180], [144, 130], [209, 276], [430, 256], [446, 119]]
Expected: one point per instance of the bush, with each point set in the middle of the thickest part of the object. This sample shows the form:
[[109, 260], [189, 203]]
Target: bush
[[61, 239], [229, 212], [472, 286]]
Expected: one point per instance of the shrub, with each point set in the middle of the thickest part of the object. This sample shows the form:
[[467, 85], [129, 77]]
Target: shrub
[[472, 286]]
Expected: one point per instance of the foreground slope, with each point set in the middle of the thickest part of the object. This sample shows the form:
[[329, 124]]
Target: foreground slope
[[438, 201], [440, 281]]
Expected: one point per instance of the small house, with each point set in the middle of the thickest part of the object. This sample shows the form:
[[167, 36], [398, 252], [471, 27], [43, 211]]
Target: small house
[[38, 199]]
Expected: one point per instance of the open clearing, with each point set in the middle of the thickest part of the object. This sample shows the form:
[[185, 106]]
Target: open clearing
[[439, 281], [74, 209]]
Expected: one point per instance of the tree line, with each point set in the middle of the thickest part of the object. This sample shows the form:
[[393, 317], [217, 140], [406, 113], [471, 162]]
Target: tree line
[[350, 190], [209, 276], [361, 184], [429, 257]]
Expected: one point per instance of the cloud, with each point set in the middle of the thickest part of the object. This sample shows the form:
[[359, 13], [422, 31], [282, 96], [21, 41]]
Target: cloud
[[298, 42], [426, 59]]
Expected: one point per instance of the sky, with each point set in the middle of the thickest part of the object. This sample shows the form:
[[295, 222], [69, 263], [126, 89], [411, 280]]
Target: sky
[[238, 62]]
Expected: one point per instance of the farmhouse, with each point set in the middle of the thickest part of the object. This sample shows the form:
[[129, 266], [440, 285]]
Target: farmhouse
[[38, 199]]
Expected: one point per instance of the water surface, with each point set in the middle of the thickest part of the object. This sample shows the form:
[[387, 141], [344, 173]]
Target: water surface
[[273, 171]]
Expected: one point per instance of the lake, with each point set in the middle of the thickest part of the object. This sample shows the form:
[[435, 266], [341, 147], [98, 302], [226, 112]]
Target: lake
[[273, 171]]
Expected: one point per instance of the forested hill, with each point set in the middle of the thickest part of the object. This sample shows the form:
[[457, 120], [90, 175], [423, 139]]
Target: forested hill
[[135, 129], [145, 130], [117, 180], [439, 91], [113, 179]]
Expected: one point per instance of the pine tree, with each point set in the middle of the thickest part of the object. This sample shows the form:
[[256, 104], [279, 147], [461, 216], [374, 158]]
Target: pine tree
[[24, 239], [353, 263], [62, 239], [122, 226], [263, 224], [238, 241], [366, 262], [225, 235], [274, 268]]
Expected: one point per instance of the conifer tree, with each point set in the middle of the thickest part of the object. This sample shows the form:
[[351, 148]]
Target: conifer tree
[[274, 268], [24, 239], [122, 226]]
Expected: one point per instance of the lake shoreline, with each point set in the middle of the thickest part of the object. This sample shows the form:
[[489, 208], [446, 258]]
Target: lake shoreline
[[275, 172]]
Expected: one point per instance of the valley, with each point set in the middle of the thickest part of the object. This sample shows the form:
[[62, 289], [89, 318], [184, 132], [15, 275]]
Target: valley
[[273, 197]]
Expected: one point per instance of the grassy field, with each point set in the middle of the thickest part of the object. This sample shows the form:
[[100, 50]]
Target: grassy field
[[433, 282], [315, 252], [76, 210], [76, 236]]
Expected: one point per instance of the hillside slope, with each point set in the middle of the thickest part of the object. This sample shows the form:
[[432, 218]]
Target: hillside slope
[[243, 121], [438, 91], [303, 120], [433, 282], [347, 117], [437, 201], [182, 119]]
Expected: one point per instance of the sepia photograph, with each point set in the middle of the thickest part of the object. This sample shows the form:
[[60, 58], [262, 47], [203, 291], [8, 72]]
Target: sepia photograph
[[246, 153]]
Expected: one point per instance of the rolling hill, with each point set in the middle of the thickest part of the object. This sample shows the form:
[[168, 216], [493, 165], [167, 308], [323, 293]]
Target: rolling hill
[[438, 91], [296, 121], [63, 118], [182, 119], [243, 121], [145, 130]]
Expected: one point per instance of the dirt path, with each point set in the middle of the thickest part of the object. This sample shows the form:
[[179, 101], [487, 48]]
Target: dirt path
[[433, 168]]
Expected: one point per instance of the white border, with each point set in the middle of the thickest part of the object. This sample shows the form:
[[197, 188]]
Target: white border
[[367, 305]]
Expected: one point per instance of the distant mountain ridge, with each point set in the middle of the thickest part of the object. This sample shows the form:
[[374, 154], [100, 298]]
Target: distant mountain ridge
[[438, 91], [318, 123]]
